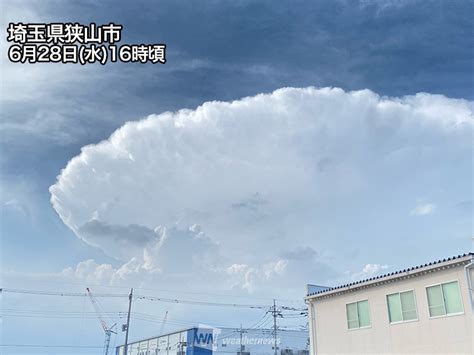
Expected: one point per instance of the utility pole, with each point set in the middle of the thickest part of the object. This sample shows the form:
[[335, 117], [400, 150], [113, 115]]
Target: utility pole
[[242, 347], [128, 320], [275, 313]]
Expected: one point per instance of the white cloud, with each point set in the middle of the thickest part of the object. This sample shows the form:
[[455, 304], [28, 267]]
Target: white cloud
[[423, 209], [249, 278], [19, 196], [258, 174], [370, 270], [373, 268], [17, 206]]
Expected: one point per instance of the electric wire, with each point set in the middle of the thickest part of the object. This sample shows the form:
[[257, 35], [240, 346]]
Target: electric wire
[[141, 297]]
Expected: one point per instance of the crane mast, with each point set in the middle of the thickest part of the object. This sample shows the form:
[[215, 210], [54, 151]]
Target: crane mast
[[105, 327], [163, 323]]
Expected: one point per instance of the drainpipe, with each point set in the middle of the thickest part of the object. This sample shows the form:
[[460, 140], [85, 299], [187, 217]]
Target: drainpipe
[[312, 327], [467, 269]]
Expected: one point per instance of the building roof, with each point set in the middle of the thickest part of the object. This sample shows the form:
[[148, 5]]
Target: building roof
[[181, 330], [393, 276]]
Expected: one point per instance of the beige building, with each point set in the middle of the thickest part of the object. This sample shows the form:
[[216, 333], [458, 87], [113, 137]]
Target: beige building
[[427, 309]]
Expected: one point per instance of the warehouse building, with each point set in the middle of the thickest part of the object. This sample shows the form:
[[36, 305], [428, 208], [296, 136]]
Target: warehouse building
[[204, 340], [424, 309]]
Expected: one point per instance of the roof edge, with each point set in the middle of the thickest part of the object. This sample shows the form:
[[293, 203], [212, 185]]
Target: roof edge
[[393, 276]]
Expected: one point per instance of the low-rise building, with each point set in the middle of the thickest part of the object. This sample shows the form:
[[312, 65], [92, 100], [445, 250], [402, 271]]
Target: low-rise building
[[205, 340], [423, 309]]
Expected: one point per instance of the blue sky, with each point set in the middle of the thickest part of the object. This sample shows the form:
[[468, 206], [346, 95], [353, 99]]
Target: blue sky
[[416, 207]]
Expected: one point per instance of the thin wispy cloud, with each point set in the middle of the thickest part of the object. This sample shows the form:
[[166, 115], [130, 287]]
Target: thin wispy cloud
[[423, 209], [370, 270]]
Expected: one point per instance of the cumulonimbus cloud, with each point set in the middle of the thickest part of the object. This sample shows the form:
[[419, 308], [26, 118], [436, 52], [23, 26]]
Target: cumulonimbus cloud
[[256, 172]]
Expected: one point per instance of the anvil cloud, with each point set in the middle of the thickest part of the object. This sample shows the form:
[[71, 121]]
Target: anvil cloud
[[261, 175]]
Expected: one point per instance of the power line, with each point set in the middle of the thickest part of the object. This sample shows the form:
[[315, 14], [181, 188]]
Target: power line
[[16, 312], [259, 323], [48, 316], [202, 303], [50, 346], [58, 293], [67, 315], [172, 321], [266, 323], [263, 322], [169, 291], [142, 297]]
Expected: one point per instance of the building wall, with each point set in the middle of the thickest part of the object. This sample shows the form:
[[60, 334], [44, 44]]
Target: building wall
[[197, 341], [450, 334], [169, 344]]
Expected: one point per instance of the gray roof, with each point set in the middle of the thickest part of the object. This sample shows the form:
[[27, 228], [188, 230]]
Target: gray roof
[[381, 278]]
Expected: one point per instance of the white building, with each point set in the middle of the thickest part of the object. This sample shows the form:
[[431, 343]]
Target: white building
[[206, 340], [424, 309]]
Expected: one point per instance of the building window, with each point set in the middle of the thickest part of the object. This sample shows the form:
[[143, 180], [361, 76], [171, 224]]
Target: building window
[[358, 315], [401, 306], [444, 299]]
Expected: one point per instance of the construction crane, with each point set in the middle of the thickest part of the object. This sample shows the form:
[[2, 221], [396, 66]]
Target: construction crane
[[163, 323], [105, 327]]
